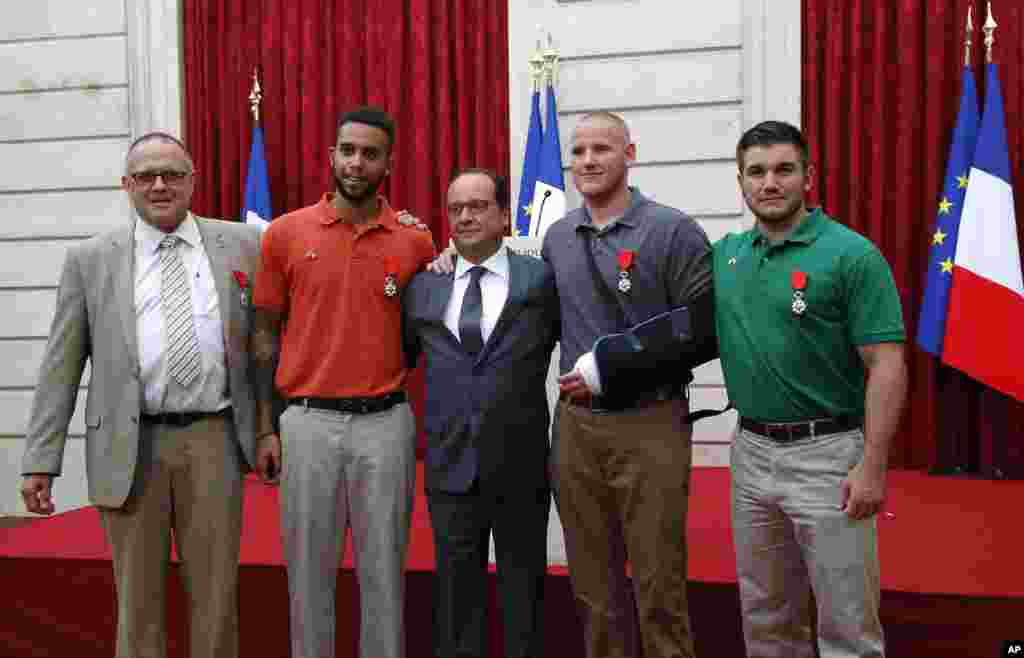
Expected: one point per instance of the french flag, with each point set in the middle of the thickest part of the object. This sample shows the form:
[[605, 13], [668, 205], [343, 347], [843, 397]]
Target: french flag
[[985, 321]]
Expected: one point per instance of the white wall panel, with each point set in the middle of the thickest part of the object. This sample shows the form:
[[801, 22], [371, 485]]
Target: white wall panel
[[40, 65], [31, 264], [61, 18], [63, 114], [64, 213], [673, 134], [591, 28], [61, 165], [696, 188], [28, 313], [641, 81]]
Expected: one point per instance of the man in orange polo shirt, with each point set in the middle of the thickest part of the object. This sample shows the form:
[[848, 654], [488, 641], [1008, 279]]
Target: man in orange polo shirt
[[327, 292]]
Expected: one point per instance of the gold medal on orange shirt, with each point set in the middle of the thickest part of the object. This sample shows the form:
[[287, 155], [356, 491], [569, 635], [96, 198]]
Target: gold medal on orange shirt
[[243, 285]]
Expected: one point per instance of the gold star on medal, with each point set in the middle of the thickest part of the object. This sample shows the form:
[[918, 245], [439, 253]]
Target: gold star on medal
[[947, 266], [961, 181], [939, 237], [945, 205]]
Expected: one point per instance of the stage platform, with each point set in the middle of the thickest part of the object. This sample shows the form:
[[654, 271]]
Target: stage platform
[[952, 578]]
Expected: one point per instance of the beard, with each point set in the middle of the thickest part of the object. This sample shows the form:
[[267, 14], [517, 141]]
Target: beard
[[359, 198]]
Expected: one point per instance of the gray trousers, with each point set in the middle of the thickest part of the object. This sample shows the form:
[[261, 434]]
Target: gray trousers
[[347, 470], [791, 538]]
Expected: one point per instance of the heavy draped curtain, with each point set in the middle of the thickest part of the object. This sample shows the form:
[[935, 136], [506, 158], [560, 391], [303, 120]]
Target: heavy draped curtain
[[881, 83], [439, 66]]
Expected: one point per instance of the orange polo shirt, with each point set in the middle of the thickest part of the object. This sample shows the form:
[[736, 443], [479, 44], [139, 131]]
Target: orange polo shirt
[[341, 335]]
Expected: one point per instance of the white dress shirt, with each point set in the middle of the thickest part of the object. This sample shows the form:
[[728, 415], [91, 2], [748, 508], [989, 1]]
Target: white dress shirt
[[161, 393], [493, 290]]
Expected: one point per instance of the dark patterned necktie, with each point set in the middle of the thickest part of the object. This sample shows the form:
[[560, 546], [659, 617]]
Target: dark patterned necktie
[[472, 313]]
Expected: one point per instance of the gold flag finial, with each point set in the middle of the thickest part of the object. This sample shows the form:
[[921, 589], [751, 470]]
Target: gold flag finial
[[989, 28], [537, 68], [550, 62], [255, 96], [967, 37]]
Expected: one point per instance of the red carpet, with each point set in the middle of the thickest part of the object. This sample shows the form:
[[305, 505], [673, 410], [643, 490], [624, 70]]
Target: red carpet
[[951, 577]]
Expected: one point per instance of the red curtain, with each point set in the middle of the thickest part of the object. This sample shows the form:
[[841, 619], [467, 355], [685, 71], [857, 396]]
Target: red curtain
[[881, 81], [439, 66]]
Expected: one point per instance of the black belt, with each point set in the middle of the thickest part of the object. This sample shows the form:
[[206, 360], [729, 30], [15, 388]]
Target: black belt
[[353, 405], [181, 418], [787, 432]]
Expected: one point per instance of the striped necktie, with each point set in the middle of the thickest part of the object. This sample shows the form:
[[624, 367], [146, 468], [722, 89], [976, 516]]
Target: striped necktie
[[182, 353]]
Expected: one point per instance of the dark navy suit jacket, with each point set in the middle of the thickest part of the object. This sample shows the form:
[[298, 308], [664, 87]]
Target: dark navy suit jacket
[[486, 416]]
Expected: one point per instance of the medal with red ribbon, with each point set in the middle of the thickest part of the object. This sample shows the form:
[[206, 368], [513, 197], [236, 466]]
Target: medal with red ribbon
[[390, 276], [799, 281], [243, 285], [626, 257]]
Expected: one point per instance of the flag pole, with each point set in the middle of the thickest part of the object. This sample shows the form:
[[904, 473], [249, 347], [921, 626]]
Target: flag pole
[[990, 33], [550, 56], [255, 96], [967, 36], [537, 68]]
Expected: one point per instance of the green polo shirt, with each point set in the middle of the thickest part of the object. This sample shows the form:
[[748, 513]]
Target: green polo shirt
[[780, 365]]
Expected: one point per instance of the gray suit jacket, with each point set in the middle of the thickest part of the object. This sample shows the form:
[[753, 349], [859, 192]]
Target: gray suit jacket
[[486, 416], [95, 321]]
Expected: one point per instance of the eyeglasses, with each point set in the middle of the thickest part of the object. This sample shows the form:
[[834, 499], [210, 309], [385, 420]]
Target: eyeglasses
[[170, 177], [474, 206]]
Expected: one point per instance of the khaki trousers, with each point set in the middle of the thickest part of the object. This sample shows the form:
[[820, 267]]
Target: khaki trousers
[[188, 481], [791, 537], [622, 486]]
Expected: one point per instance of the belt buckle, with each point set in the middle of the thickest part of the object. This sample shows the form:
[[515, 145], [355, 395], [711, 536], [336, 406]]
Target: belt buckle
[[781, 432]]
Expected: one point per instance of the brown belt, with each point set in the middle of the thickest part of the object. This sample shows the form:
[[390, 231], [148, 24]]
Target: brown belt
[[596, 403]]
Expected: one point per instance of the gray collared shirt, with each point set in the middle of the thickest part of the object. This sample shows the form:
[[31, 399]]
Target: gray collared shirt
[[671, 267]]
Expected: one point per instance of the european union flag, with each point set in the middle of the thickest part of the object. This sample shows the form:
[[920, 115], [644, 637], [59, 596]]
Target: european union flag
[[256, 209], [531, 163], [931, 325], [549, 197]]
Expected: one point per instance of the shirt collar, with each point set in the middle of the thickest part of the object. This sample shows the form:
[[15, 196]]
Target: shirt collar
[[627, 219], [150, 236], [806, 232], [329, 213], [496, 264]]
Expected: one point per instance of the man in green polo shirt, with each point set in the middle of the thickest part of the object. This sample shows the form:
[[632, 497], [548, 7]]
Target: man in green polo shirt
[[811, 340]]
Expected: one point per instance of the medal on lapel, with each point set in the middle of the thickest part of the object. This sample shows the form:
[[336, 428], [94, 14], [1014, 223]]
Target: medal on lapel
[[625, 262], [799, 281], [390, 276], [243, 285]]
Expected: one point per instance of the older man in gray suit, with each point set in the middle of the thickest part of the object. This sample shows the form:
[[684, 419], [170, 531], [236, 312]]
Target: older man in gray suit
[[487, 332], [160, 309]]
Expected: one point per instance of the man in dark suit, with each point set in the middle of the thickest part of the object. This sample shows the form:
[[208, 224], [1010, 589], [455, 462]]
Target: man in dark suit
[[487, 331], [159, 307]]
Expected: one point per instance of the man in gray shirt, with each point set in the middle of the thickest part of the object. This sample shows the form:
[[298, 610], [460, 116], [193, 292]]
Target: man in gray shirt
[[621, 466]]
